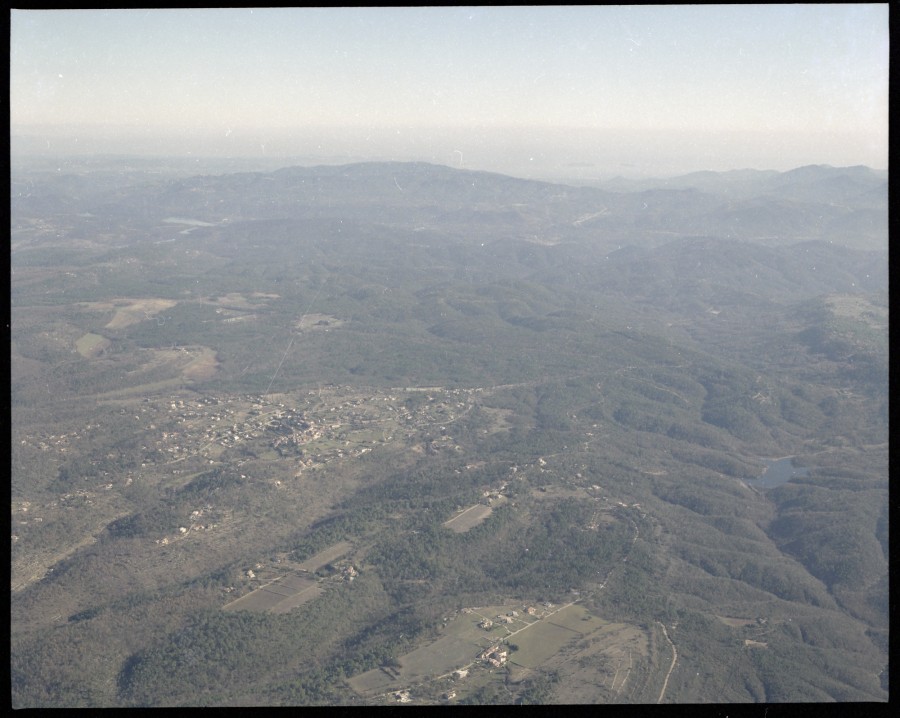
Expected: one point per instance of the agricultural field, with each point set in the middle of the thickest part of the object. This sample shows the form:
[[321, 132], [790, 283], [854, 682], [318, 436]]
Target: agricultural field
[[541, 641], [468, 518], [568, 640], [323, 558], [279, 595]]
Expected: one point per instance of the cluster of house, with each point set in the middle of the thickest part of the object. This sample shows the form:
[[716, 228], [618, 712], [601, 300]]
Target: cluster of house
[[288, 423], [75, 498], [195, 525], [487, 624], [495, 655], [61, 442], [288, 427], [291, 429]]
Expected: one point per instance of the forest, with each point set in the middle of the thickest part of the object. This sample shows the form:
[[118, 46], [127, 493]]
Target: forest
[[285, 362]]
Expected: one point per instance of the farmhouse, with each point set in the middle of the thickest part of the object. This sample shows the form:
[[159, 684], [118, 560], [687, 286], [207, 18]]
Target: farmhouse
[[486, 624], [494, 656]]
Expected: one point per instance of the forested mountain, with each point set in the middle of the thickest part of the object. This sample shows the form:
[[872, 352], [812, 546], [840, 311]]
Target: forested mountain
[[312, 435]]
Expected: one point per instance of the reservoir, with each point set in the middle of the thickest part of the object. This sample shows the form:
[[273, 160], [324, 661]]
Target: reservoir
[[776, 473]]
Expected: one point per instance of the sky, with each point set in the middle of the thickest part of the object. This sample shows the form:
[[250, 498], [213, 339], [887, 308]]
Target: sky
[[533, 91]]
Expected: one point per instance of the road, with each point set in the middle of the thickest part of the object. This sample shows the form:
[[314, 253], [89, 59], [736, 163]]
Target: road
[[662, 693]]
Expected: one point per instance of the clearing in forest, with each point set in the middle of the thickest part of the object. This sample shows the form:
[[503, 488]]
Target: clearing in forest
[[278, 596], [468, 518], [91, 345], [133, 311], [323, 558]]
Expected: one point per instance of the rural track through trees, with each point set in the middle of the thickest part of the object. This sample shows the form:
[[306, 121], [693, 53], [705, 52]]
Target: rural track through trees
[[662, 692]]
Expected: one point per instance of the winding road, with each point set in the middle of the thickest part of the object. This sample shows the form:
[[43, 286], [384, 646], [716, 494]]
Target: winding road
[[662, 693]]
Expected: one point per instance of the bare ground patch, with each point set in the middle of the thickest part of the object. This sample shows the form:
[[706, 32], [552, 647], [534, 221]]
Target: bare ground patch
[[858, 308], [91, 345], [736, 622], [501, 419], [318, 321], [132, 311], [755, 644], [203, 367]]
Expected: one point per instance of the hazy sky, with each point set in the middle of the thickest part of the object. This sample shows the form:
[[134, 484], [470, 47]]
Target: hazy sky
[[599, 89]]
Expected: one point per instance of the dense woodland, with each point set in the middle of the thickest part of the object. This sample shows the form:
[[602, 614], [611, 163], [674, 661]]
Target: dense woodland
[[614, 365]]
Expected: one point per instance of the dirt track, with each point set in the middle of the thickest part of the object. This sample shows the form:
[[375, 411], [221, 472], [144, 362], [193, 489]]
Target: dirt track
[[662, 693]]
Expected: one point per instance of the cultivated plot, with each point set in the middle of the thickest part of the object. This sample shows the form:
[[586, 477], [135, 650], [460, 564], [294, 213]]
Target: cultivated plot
[[278, 596], [468, 518], [323, 558], [540, 642]]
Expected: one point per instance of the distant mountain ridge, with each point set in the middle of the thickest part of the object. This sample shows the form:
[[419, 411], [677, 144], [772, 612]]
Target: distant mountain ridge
[[845, 205], [814, 183]]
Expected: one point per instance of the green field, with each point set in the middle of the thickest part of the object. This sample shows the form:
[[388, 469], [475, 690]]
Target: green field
[[460, 646], [442, 656], [278, 596], [576, 618], [540, 642], [325, 557]]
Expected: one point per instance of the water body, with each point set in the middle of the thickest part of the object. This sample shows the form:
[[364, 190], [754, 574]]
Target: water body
[[776, 473]]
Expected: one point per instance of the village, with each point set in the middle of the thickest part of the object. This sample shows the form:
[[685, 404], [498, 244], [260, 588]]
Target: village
[[185, 434], [310, 426], [305, 430]]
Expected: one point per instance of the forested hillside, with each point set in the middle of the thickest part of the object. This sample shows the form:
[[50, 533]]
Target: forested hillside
[[311, 436]]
